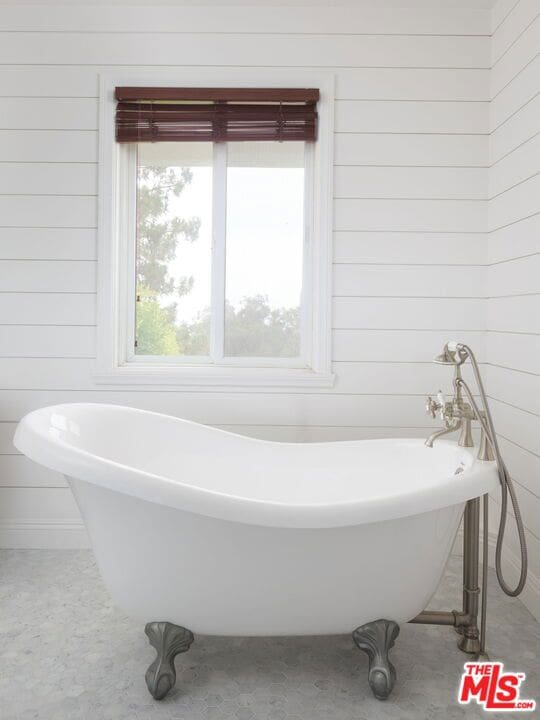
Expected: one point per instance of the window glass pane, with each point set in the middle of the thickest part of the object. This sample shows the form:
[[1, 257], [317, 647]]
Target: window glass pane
[[174, 238], [264, 245]]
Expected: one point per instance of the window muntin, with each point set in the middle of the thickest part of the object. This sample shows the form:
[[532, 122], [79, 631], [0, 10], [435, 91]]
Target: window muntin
[[229, 290]]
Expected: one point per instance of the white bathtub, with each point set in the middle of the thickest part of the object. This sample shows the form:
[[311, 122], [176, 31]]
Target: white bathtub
[[228, 535]]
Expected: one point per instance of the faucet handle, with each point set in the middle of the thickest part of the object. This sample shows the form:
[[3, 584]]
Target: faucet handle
[[437, 406], [432, 406]]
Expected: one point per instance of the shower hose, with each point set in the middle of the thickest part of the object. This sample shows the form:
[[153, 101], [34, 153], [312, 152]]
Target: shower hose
[[507, 487]]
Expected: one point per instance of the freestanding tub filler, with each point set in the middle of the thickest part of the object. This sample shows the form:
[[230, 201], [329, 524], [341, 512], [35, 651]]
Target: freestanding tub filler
[[197, 530]]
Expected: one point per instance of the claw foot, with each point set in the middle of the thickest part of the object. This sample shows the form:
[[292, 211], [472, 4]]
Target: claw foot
[[376, 638], [168, 640]]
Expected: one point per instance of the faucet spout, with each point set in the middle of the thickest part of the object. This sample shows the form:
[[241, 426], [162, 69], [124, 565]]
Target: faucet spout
[[443, 431]]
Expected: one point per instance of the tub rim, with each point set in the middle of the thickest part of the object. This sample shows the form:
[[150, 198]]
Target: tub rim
[[34, 440]]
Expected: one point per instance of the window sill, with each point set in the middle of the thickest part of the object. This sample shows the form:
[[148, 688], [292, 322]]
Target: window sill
[[201, 377]]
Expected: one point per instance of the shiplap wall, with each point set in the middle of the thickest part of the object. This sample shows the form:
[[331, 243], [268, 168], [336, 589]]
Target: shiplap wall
[[411, 183], [513, 276]]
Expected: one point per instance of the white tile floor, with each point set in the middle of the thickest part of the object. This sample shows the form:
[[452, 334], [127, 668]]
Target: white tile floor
[[67, 654]]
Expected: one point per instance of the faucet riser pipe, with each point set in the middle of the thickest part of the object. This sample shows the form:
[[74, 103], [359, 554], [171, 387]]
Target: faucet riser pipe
[[470, 639]]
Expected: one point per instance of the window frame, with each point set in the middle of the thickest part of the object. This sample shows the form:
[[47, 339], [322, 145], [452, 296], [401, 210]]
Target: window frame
[[116, 363]]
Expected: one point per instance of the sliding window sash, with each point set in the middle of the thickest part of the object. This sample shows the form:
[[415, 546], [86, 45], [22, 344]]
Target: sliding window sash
[[128, 285]]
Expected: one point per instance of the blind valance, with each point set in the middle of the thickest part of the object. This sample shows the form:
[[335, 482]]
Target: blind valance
[[215, 114]]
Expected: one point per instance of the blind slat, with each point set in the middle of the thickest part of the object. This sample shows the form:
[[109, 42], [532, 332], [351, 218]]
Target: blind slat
[[182, 119]]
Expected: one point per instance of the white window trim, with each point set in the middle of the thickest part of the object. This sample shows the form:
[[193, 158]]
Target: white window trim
[[115, 233]]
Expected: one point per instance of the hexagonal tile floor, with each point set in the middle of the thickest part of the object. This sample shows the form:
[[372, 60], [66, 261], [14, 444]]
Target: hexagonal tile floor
[[67, 654]]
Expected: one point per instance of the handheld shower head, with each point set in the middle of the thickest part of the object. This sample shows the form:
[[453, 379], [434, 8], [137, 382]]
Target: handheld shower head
[[453, 353]]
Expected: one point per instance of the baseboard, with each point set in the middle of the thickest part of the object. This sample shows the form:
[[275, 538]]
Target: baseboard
[[43, 534], [530, 596]]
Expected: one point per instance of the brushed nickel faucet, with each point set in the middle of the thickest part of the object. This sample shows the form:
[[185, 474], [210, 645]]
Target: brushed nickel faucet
[[456, 413], [459, 415], [456, 353]]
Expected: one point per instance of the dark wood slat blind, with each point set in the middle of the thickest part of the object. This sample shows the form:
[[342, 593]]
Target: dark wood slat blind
[[215, 114]]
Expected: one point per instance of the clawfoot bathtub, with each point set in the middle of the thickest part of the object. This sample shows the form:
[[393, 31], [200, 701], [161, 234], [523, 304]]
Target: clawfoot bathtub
[[196, 530]]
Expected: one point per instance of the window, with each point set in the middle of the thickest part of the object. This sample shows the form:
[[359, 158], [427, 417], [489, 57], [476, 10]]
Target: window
[[217, 259]]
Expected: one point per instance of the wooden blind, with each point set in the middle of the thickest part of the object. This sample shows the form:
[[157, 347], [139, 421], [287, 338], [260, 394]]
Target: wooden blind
[[215, 114]]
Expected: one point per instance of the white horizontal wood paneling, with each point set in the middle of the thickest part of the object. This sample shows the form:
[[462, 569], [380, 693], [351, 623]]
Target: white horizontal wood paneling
[[514, 350], [412, 345], [7, 430], [518, 129], [45, 373], [407, 182], [353, 116], [524, 466], [511, 568], [499, 13], [37, 504], [48, 178], [515, 95], [519, 277], [372, 83], [512, 548], [393, 378], [409, 248], [523, 49], [225, 407], [412, 84], [523, 13], [515, 387], [365, 377], [19, 471], [529, 504], [48, 276], [510, 562], [264, 50], [518, 202], [411, 150], [60, 82], [513, 342], [515, 314], [516, 424], [47, 243], [329, 20], [408, 281], [516, 167], [521, 238], [48, 146], [511, 539], [47, 341], [51, 308], [411, 215], [409, 313], [47, 211], [24, 113]]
